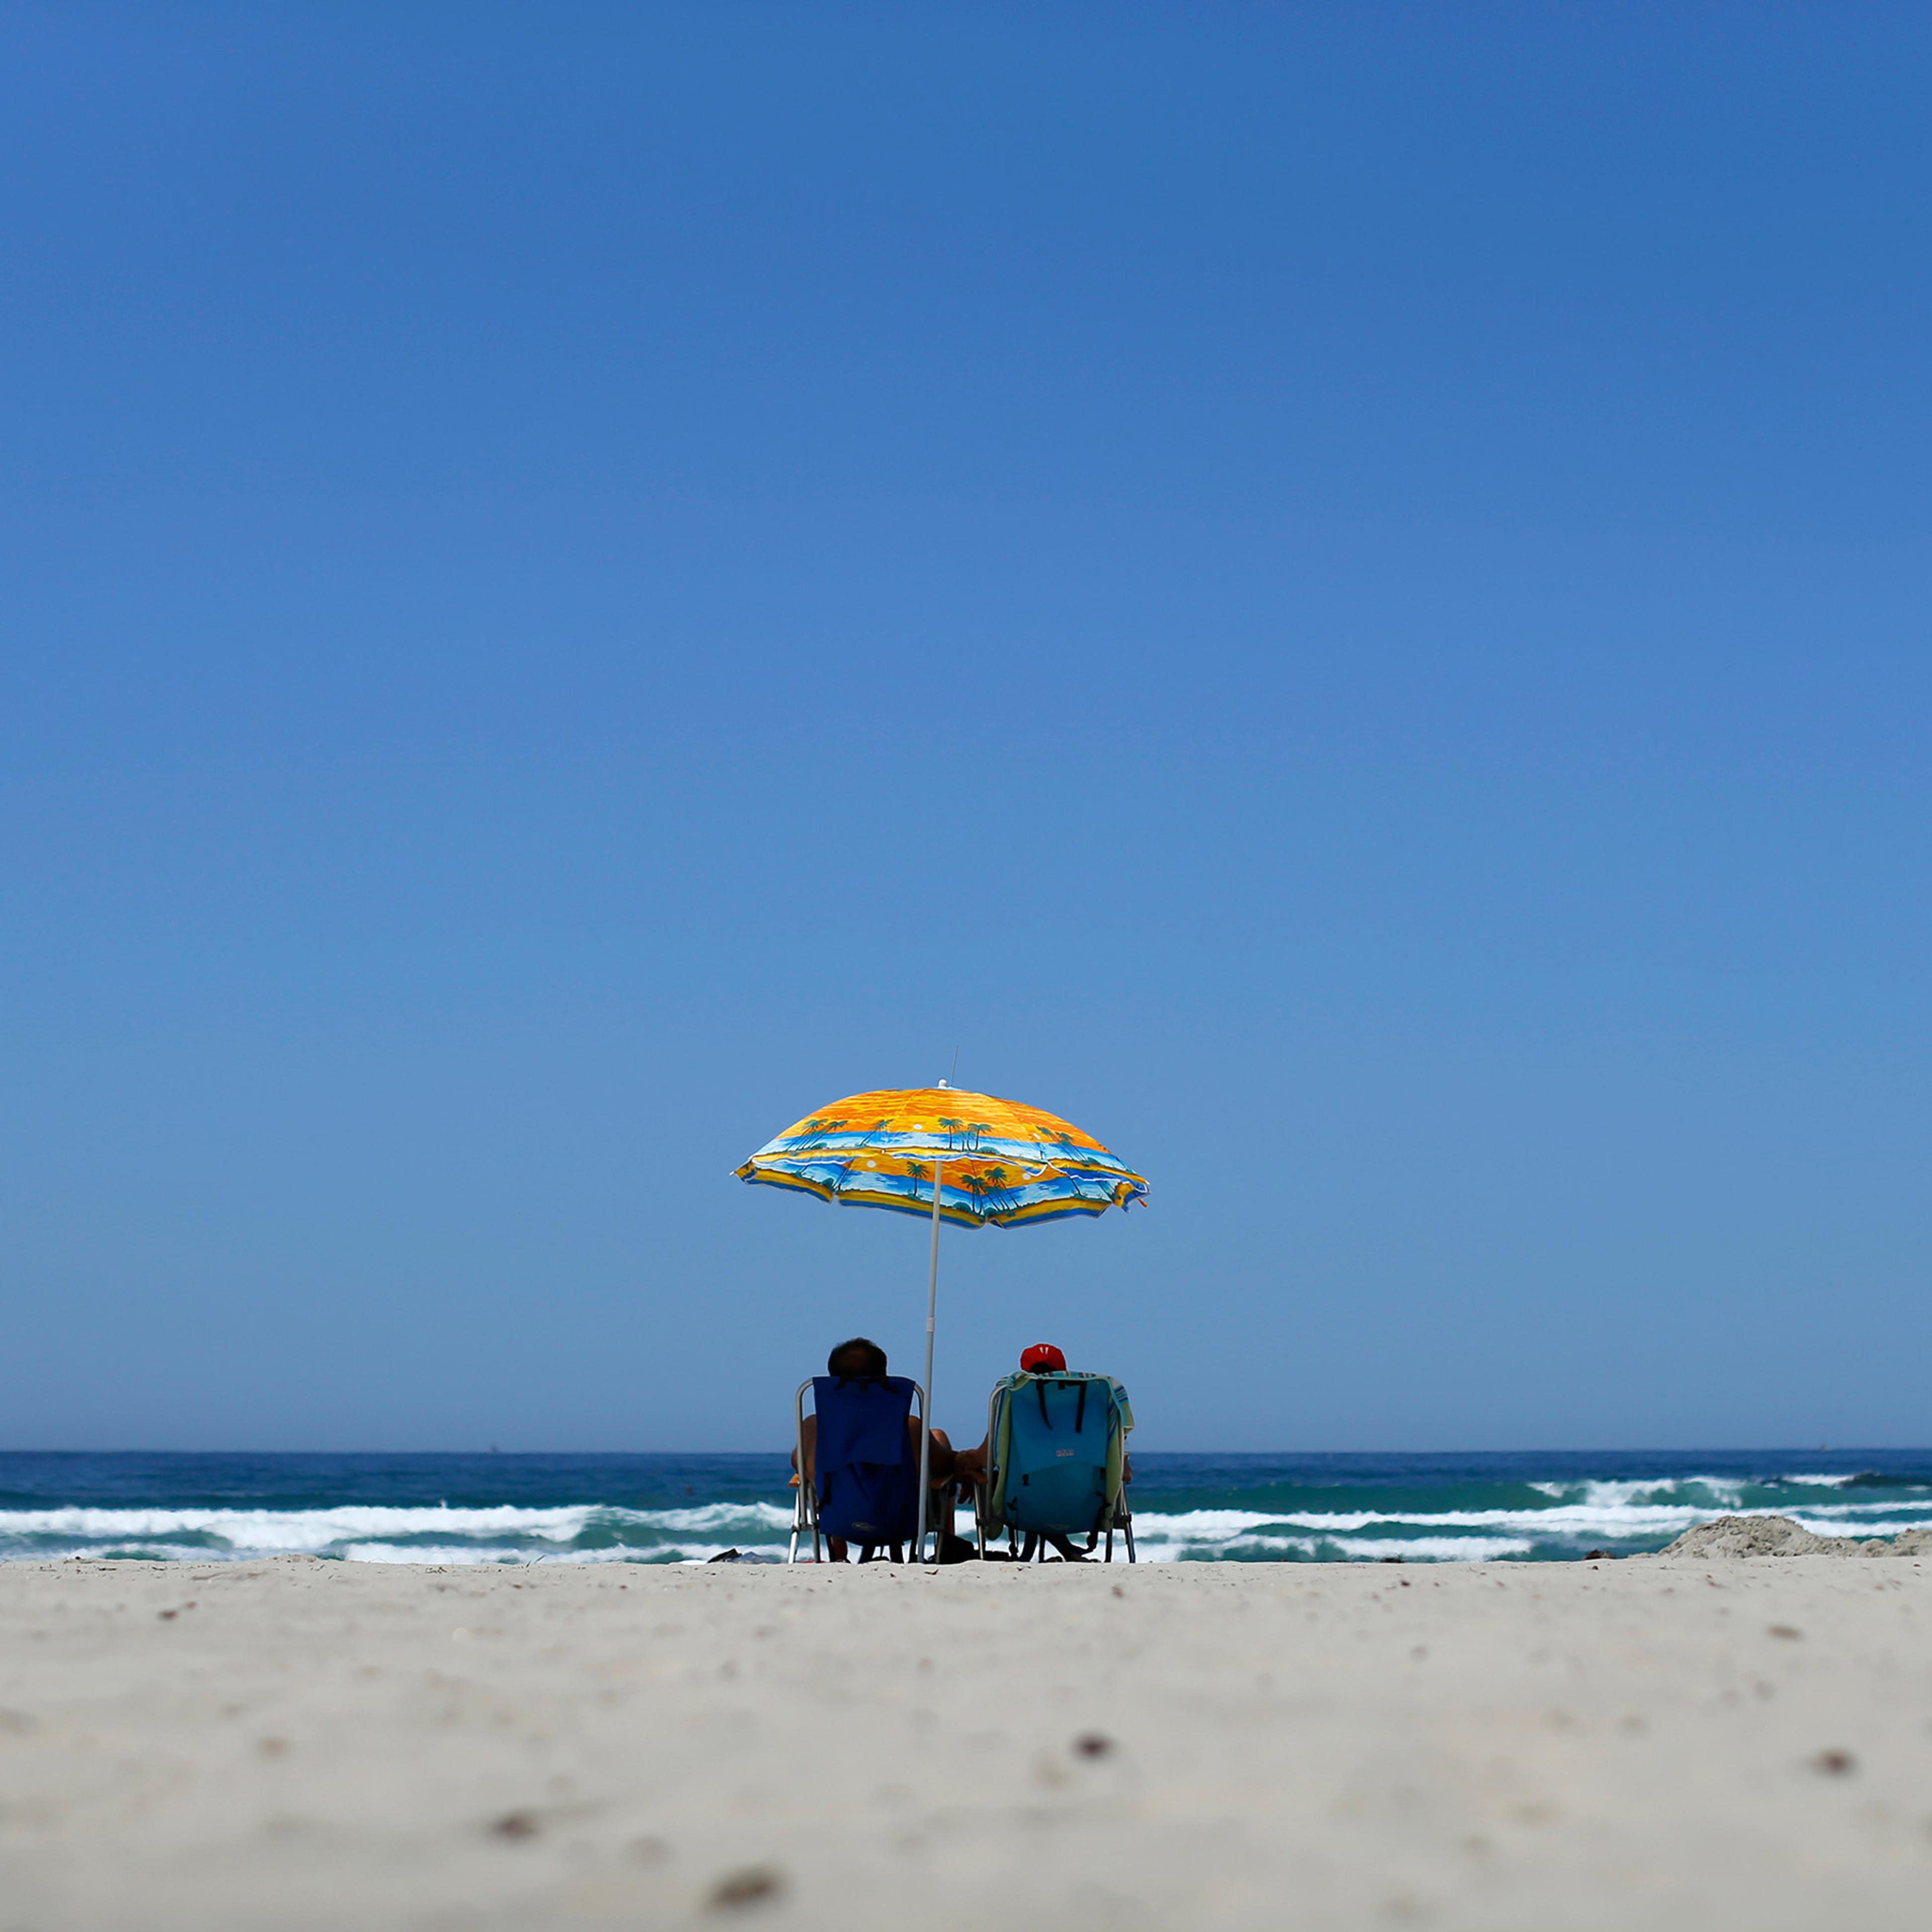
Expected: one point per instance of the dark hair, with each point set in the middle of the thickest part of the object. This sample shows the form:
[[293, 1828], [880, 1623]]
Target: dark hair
[[856, 1360]]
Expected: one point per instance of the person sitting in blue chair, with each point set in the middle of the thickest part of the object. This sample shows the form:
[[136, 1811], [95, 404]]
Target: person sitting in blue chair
[[858, 1457]]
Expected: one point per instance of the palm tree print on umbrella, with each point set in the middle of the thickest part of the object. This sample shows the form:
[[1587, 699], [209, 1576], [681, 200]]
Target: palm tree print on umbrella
[[991, 1194]]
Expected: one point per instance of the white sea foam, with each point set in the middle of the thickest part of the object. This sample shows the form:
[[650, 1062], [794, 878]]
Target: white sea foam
[[1208, 1523], [295, 1531], [144, 1549], [710, 1515], [1843, 1508], [1664, 1493], [1429, 1549], [1617, 1519], [1827, 1525], [1579, 1514], [1605, 1519]]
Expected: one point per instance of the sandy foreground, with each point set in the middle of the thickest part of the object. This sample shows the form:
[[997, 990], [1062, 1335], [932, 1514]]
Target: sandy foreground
[[302, 1744]]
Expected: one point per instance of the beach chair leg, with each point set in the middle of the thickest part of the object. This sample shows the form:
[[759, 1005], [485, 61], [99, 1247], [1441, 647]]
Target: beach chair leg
[[899, 1553], [1128, 1527]]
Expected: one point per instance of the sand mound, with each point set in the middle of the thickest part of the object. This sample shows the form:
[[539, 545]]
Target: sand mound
[[1779, 1536]]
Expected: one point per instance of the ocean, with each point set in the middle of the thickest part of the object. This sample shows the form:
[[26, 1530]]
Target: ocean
[[1530, 1508]]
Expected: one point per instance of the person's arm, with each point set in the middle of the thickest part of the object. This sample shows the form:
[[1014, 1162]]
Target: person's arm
[[940, 1458]]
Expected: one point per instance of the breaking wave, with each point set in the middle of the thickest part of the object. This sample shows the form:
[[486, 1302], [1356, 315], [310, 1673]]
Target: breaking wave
[[505, 1534], [592, 1510]]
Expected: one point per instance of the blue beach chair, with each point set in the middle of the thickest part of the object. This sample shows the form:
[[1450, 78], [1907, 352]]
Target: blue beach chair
[[865, 1464], [1055, 1465]]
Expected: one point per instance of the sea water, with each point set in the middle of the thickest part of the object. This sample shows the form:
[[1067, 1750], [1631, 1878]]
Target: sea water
[[682, 1509]]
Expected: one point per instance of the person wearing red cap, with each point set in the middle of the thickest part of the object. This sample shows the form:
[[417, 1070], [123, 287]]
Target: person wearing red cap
[[970, 1465]]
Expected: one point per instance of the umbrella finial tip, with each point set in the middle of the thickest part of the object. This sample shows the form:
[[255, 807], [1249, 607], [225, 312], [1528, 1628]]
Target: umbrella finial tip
[[948, 1090]]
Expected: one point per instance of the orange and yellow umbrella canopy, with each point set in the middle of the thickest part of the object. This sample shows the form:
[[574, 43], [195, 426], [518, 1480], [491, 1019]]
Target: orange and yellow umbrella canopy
[[999, 1162]]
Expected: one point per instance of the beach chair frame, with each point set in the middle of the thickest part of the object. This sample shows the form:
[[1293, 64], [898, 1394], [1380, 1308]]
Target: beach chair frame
[[805, 1506], [1033, 1549]]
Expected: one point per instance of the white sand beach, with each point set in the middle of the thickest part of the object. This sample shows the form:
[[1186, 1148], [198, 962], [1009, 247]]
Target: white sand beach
[[293, 1743]]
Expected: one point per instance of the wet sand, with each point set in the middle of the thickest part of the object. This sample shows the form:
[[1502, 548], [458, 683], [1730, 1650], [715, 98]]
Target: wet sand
[[298, 1743]]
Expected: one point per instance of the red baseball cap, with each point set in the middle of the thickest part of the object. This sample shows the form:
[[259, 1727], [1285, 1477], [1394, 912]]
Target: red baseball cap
[[1042, 1355]]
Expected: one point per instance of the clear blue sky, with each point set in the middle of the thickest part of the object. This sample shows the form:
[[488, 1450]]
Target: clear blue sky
[[1338, 593]]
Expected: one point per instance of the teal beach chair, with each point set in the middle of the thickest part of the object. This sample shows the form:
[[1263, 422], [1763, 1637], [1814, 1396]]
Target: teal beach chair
[[1056, 1462]]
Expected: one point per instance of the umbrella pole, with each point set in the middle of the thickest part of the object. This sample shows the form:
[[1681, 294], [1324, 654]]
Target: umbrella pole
[[925, 1420]]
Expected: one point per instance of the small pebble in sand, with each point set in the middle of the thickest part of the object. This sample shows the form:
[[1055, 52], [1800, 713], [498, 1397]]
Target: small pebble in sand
[[1785, 1630], [750, 1884], [1093, 1744], [516, 1825], [1834, 1763]]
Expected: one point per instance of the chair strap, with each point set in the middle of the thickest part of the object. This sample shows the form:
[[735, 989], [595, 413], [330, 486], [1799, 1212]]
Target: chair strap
[[1080, 1408]]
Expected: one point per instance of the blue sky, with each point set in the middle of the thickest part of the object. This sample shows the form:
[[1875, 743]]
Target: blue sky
[[1338, 593]]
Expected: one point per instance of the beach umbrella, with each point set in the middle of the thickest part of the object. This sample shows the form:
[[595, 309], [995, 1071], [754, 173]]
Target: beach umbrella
[[949, 1155]]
